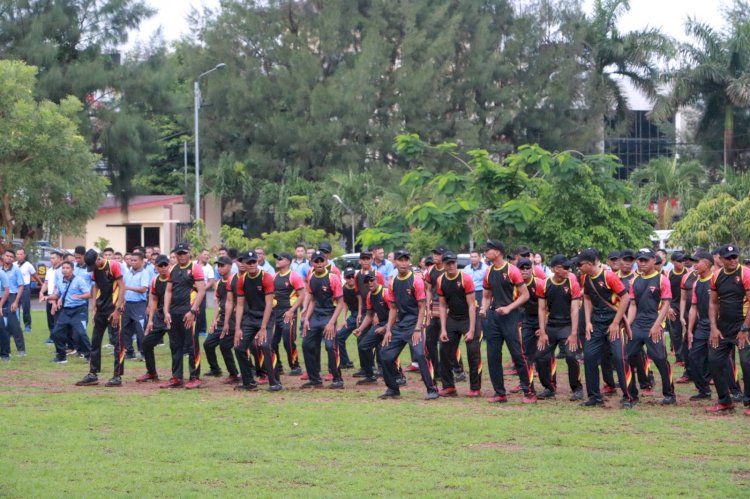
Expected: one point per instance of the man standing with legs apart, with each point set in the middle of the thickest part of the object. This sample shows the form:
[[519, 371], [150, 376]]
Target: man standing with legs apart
[[370, 333], [156, 327], [108, 296], [70, 307], [650, 294], [699, 325], [13, 303], [221, 336], [137, 281], [28, 272], [289, 295], [433, 310], [559, 305], [458, 308], [253, 309], [182, 299], [504, 293], [323, 305], [407, 302], [604, 303], [730, 323]]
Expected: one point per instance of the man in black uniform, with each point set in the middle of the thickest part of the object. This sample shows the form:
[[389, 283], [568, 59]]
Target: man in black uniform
[[323, 305], [108, 294], [289, 294], [457, 315], [156, 328], [686, 298], [353, 301], [650, 296], [559, 304], [406, 298], [221, 335], [675, 276], [730, 289], [433, 310], [529, 319], [370, 333], [182, 299], [699, 325], [365, 269], [253, 309]]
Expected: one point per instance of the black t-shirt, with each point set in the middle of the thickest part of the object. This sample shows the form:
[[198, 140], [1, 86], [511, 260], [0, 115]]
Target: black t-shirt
[[377, 303], [254, 289], [350, 298], [688, 281], [648, 293], [285, 289], [531, 307], [675, 280], [701, 298], [221, 300], [158, 289], [559, 297], [502, 282], [183, 281], [454, 291], [405, 294], [325, 289], [105, 278], [731, 289], [606, 288]]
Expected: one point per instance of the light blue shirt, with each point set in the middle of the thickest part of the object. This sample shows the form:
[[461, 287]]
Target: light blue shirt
[[77, 287], [83, 273], [141, 278], [150, 269], [386, 268], [15, 278], [267, 268], [302, 268], [477, 275], [3, 282]]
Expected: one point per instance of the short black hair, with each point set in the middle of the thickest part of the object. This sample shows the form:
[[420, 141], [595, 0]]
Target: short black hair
[[300, 245], [232, 253], [375, 247], [67, 262], [224, 248], [10, 250], [80, 250], [108, 249], [116, 253]]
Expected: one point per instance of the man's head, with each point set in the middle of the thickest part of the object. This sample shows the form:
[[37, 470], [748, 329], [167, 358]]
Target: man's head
[[523, 251], [67, 270], [370, 280], [475, 258], [283, 260], [137, 260], [223, 251], [309, 252], [9, 257], [365, 260], [450, 262], [560, 266], [148, 251], [108, 253], [299, 252], [646, 259], [613, 260], [437, 254], [704, 262], [250, 259], [261, 253], [526, 268], [182, 253], [391, 256], [119, 257], [327, 249], [162, 265], [588, 261], [678, 260], [378, 253], [494, 250], [730, 257], [627, 259], [56, 258], [20, 255], [224, 265], [319, 261], [172, 259], [402, 261], [155, 250], [203, 257], [349, 275]]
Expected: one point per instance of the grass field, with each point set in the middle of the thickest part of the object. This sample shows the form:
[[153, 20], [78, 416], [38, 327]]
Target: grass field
[[60, 440]]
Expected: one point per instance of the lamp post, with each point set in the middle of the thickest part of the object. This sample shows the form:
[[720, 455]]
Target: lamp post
[[197, 97], [338, 199]]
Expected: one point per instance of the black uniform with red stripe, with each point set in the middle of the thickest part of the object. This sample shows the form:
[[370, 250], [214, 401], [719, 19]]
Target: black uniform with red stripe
[[640, 364], [105, 279], [326, 290], [675, 326], [159, 328], [369, 340], [214, 338], [287, 286], [182, 339], [456, 292], [433, 325], [530, 323]]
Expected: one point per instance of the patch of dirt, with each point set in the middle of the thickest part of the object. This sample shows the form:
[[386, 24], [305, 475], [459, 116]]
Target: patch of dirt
[[742, 476], [496, 445]]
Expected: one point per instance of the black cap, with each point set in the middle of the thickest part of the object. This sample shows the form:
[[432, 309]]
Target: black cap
[[318, 255], [222, 260], [588, 255], [716, 251], [450, 256], [284, 255], [678, 256], [728, 250], [90, 258], [325, 247], [524, 263], [163, 259], [182, 248], [658, 260], [494, 244], [627, 254], [440, 249], [248, 256], [80, 250], [368, 276], [613, 255], [399, 254], [645, 253], [365, 254], [523, 250], [559, 260], [349, 272], [428, 260], [703, 255]]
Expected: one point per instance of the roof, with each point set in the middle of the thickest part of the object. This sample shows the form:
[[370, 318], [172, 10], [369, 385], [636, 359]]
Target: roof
[[112, 205]]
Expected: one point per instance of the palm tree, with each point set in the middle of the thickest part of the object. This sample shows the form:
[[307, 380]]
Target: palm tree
[[667, 183], [609, 56], [715, 73]]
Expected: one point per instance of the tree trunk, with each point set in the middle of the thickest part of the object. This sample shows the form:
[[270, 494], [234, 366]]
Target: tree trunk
[[728, 137]]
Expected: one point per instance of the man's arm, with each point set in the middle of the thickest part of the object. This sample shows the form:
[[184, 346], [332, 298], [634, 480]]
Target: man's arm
[[443, 319], [472, 301], [17, 301], [657, 333], [330, 330]]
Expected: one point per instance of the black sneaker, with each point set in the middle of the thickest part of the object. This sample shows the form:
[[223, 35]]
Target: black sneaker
[[459, 377], [60, 360], [336, 385], [626, 404], [432, 395], [297, 371], [545, 394], [701, 396], [348, 365], [401, 381], [592, 402], [89, 380], [359, 374], [390, 394], [576, 395], [246, 388], [737, 397], [312, 384], [368, 381], [668, 400], [130, 356], [214, 372], [114, 381], [275, 388]]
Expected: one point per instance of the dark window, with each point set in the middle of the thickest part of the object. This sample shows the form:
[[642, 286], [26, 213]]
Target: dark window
[[151, 236]]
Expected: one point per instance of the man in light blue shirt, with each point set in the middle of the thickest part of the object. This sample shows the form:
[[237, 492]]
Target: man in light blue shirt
[[300, 265], [380, 264], [70, 306], [13, 303], [263, 263], [4, 335], [137, 280]]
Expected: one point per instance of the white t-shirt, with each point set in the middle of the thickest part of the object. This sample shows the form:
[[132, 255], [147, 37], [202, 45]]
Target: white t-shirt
[[208, 271], [27, 270], [49, 278]]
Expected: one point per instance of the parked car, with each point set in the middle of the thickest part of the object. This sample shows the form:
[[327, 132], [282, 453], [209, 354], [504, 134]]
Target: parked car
[[352, 260]]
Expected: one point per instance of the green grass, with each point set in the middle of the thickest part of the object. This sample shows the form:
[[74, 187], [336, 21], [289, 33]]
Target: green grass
[[59, 440]]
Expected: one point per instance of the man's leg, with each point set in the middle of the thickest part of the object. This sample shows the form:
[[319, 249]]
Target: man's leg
[[4, 341], [177, 334], [201, 326], [389, 353], [513, 338], [277, 319], [342, 335], [193, 349], [242, 352], [745, 364], [149, 344], [675, 337], [26, 306], [209, 347], [546, 364], [574, 368], [474, 356], [226, 345], [269, 357], [658, 353], [698, 358], [366, 343], [59, 336], [311, 351], [289, 335], [448, 351], [593, 349], [495, 342], [95, 359], [13, 325], [334, 359], [50, 319], [123, 340], [431, 347], [425, 366], [718, 364]]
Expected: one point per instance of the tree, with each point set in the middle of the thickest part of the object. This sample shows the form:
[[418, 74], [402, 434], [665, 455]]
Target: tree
[[47, 177], [716, 220], [666, 182]]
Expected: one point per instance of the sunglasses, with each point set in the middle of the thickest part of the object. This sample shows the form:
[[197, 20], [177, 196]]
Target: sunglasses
[[643, 259], [348, 277], [525, 255], [731, 257], [163, 265]]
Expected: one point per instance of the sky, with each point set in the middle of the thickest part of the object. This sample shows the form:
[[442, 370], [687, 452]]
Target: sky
[[669, 15]]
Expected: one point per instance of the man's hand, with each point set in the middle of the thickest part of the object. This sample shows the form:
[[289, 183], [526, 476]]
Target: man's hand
[[167, 319], [237, 337], [503, 310], [289, 316], [260, 336], [589, 329], [656, 333], [690, 340], [359, 319], [416, 337], [572, 343], [715, 337], [380, 330], [671, 314], [305, 327], [742, 339], [14, 307], [386, 338], [614, 332], [114, 318], [468, 336], [149, 327], [329, 332], [189, 320], [444, 336], [356, 332], [543, 340], [483, 313]]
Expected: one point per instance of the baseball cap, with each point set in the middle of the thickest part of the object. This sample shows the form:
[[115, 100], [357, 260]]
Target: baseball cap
[[613, 255], [161, 259], [402, 253], [249, 256], [678, 256], [284, 255], [524, 263], [645, 253], [559, 260], [523, 250], [182, 248], [90, 259], [494, 244], [627, 254], [428, 260], [658, 260], [450, 256], [588, 255], [728, 250], [325, 247], [318, 255], [365, 254], [368, 276], [703, 255], [222, 260], [440, 249], [349, 272]]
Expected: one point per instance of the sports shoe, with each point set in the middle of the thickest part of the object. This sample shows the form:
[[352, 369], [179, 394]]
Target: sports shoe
[[262, 380], [359, 374], [577, 395], [701, 396], [432, 395], [737, 397], [348, 365], [367, 381], [139, 357], [214, 373], [529, 398], [747, 412], [275, 388], [60, 360], [720, 408], [172, 383], [4, 359], [668, 400], [626, 404], [516, 389], [304, 376], [109, 345], [411, 368], [682, 379], [143, 378], [246, 388], [89, 380], [336, 385], [400, 381], [459, 377], [192, 384], [328, 377], [648, 392], [230, 380], [114, 381], [545, 394], [448, 392], [680, 363], [21, 353], [390, 394], [592, 402], [71, 351], [312, 384], [296, 371], [497, 399], [609, 390], [27, 329], [49, 341], [474, 393]]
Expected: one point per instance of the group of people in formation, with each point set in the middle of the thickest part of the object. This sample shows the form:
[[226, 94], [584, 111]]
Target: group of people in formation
[[611, 314]]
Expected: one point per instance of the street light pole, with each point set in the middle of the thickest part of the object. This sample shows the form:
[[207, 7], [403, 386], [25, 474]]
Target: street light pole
[[341, 202], [197, 106]]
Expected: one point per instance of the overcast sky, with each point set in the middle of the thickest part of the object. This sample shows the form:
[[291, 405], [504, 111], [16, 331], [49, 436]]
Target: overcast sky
[[669, 15]]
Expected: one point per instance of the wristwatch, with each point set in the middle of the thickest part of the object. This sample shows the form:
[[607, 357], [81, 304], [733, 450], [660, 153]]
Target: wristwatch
[[744, 329], [120, 309]]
